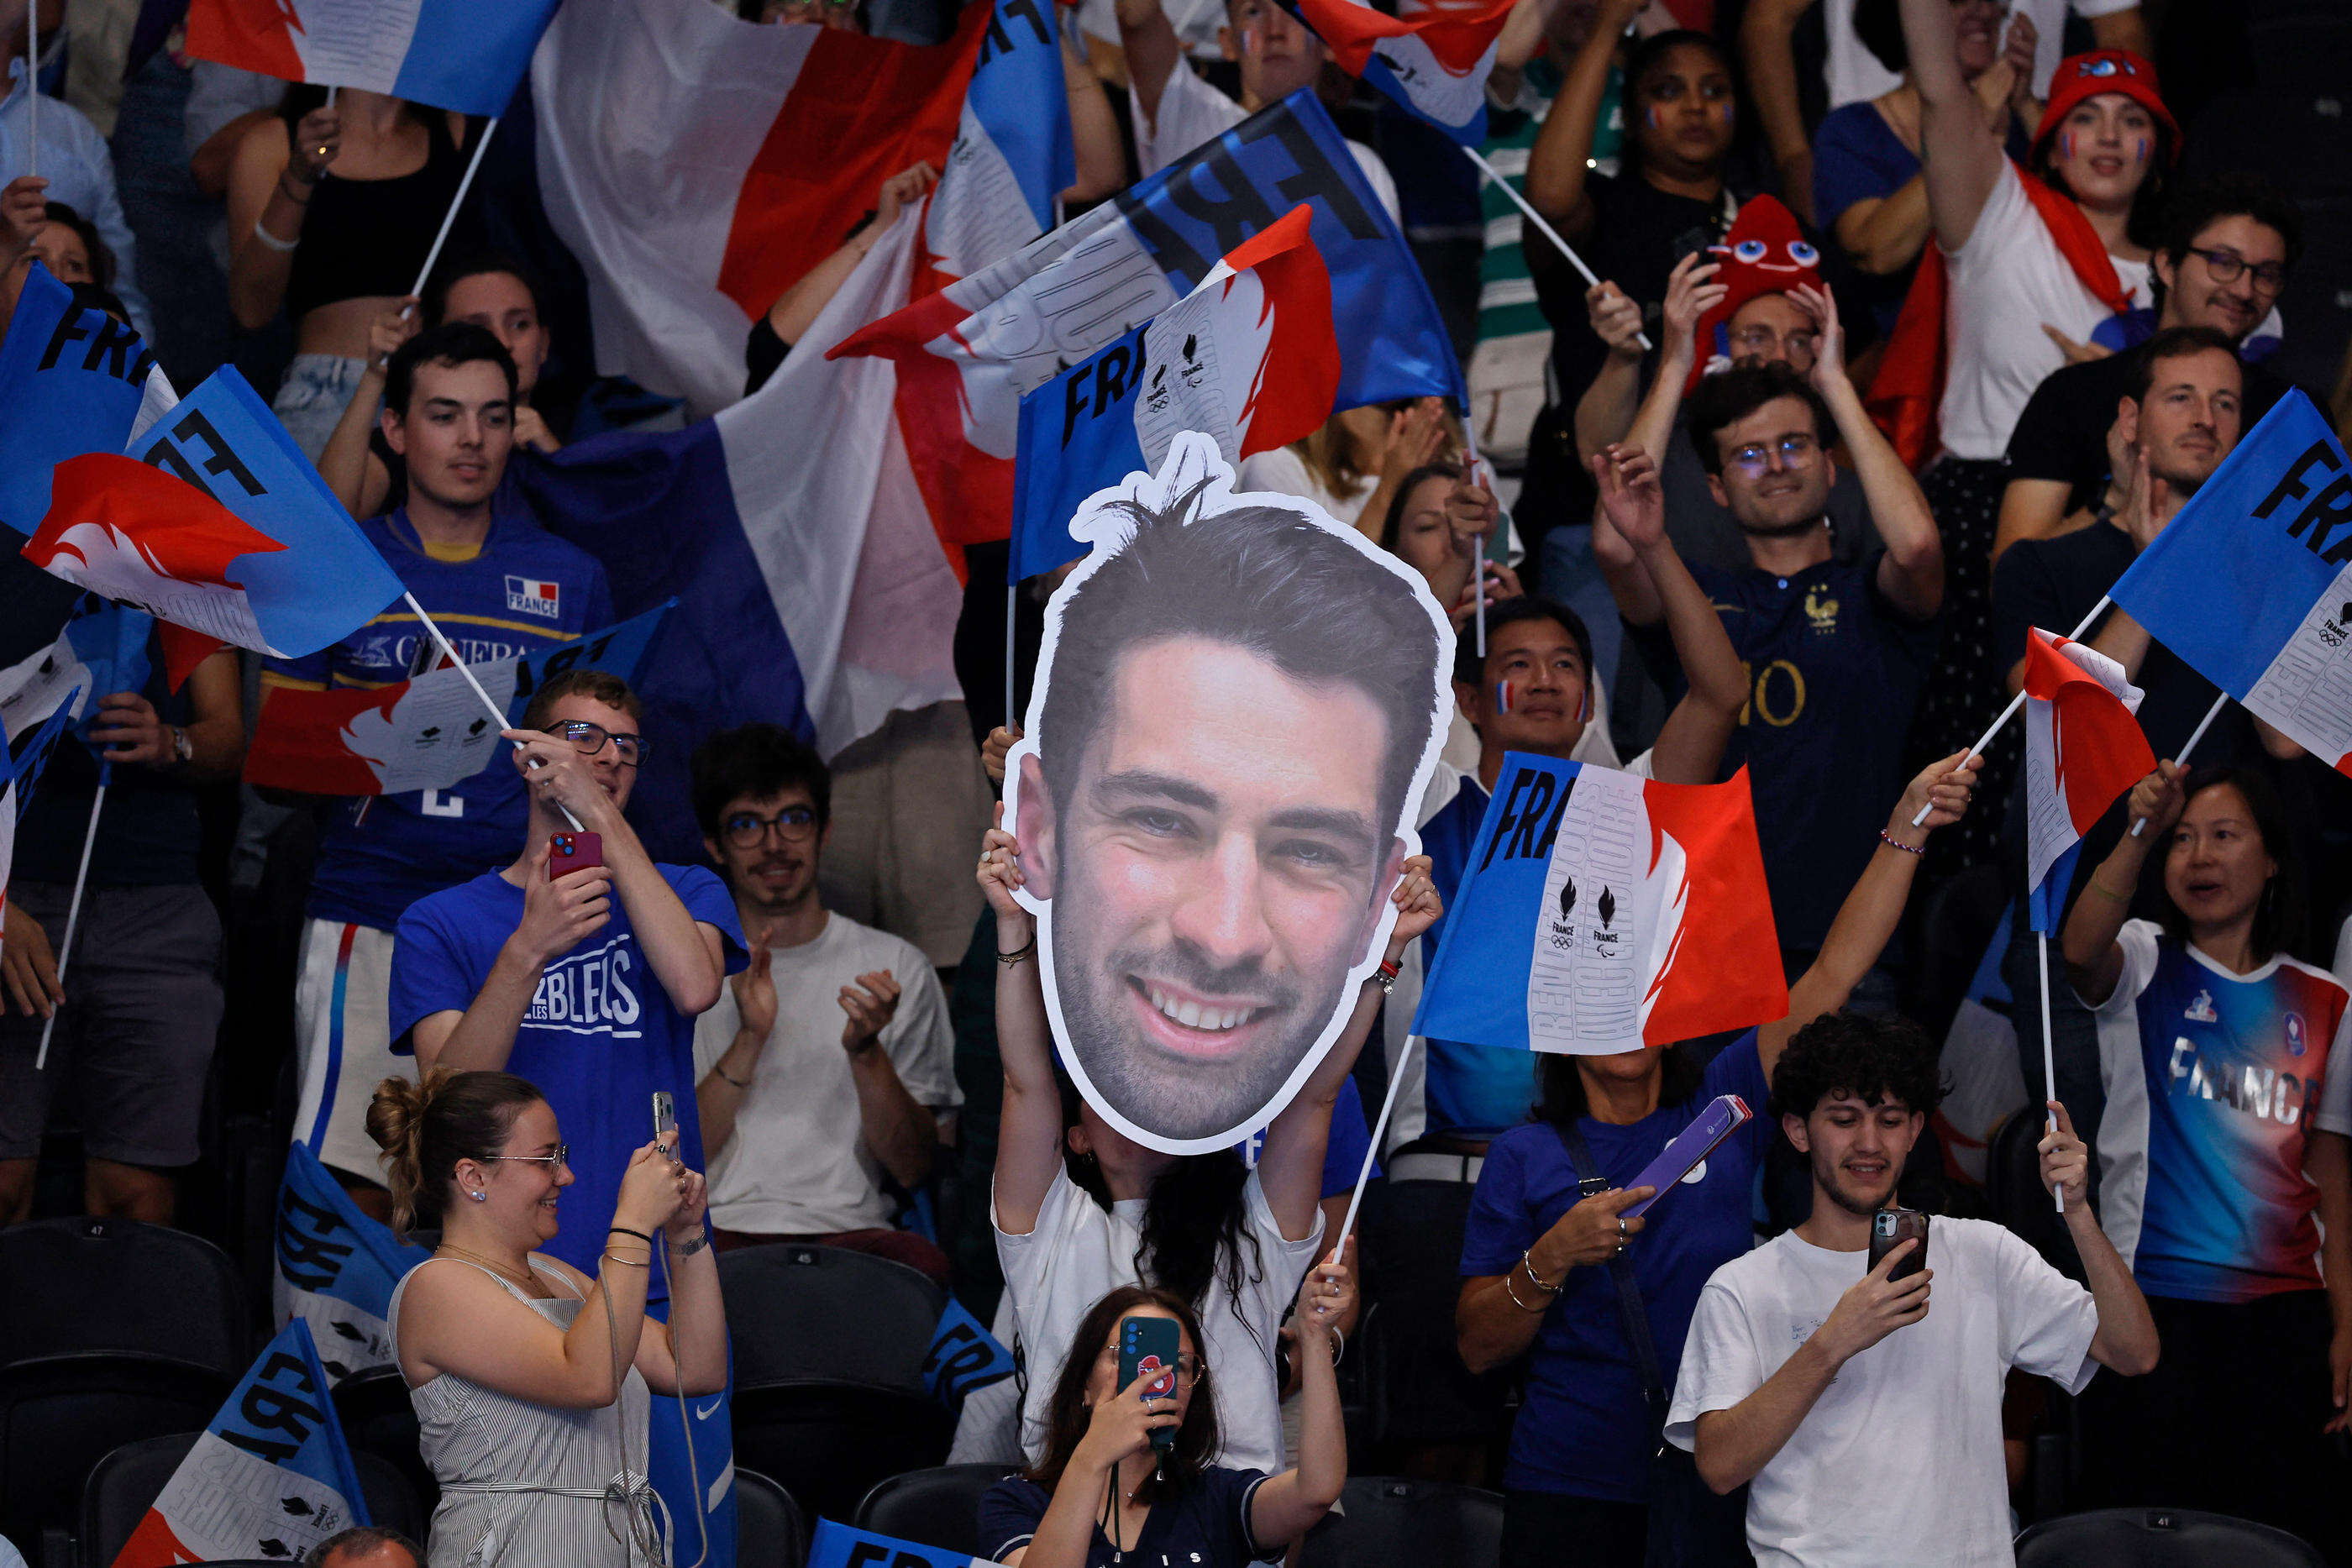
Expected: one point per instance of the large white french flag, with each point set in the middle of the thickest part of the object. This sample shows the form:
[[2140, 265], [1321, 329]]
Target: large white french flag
[[700, 165]]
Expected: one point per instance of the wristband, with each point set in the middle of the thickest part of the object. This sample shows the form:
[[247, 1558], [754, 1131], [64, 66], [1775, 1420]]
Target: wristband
[[282, 246], [625, 1230], [1020, 953], [739, 1082], [1385, 977]]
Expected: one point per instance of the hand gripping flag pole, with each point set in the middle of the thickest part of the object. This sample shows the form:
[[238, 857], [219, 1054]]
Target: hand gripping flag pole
[[2018, 701], [1542, 227], [2049, 1068], [497, 712], [73, 907], [2190, 745]]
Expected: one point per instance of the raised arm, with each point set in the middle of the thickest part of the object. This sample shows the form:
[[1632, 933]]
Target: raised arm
[[797, 308], [1029, 1129], [557, 917], [2126, 1340], [1765, 35], [349, 465], [1605, 413], [900, 1129], [2093, 962], [1958, 156], [1911, 572], [1094, 132], [1557, 164], [1152, 51], [268, 191], [1691, 292], [1289, 1504], [720, 1093]]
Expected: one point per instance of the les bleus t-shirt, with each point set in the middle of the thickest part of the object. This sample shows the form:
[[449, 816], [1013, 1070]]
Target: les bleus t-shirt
[[1900, 1459], [600, 1037], [1583, 1428]]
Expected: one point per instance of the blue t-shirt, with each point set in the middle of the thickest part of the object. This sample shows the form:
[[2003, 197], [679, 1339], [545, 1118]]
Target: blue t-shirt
[[524, 590], [1206, 1525], [1584, 1426], [1468, 1091], [600, 1037], [1343, 1151]]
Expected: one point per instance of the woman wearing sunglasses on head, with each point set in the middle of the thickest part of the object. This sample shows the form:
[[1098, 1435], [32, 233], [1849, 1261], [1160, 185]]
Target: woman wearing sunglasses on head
[[531, 1377]]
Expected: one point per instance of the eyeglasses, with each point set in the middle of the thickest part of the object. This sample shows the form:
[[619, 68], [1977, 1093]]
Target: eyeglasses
[[588, 739], [1763, 340], [559, 1157], [748, 829], [1796, 451], [2227, 265]]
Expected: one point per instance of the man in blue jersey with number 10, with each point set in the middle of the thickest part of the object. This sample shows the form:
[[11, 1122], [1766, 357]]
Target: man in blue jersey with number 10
[[498, 584]]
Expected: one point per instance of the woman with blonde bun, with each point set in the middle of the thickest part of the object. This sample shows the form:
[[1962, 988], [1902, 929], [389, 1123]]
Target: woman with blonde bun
[[531, 1379]]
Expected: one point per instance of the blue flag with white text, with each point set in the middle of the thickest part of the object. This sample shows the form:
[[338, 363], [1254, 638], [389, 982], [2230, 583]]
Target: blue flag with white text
[[71, 381], [335, 1268]]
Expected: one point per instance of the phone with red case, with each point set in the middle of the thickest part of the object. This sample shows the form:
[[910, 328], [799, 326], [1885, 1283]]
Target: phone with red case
[[572, 851]]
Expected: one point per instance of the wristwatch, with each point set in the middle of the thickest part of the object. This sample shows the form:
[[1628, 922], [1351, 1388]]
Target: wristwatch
[[183, 750]]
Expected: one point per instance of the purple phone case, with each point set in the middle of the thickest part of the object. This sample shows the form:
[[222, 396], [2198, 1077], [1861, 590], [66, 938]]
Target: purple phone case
[[1722, 1118]]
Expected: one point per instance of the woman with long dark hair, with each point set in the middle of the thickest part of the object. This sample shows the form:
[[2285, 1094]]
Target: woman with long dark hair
[[1100, 1492], [2225, 1160]]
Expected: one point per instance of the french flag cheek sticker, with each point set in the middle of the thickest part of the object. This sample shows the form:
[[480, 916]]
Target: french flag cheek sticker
[[1502, 696]]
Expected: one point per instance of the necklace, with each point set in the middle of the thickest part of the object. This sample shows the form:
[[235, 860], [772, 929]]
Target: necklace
[[492, 1264]]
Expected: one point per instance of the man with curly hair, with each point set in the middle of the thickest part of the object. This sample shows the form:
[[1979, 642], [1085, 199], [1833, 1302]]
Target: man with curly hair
[[1867, 1427]]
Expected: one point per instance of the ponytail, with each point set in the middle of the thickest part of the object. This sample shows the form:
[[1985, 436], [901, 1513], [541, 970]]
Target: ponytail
[[425, 1129]]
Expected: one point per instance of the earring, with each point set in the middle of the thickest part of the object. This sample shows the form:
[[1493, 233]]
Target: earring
[[479, 1196]]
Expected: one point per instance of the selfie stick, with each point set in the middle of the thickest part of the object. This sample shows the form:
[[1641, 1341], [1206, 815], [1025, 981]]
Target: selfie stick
[[73, 906], [2049, 1071], [1542, 227], [497, 712], [2190, 745], [2018, 701]]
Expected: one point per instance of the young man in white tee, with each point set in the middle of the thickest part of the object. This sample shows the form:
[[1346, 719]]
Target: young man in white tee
[[1865, 1420], [828, 1065]]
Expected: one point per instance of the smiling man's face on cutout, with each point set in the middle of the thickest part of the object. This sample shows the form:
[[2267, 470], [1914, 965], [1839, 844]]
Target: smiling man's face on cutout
[[1217, 869]]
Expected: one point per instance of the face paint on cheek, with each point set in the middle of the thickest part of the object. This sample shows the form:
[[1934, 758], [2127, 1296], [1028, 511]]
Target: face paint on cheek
[[2140, 150], [1249, 39], [1502, 696], [2066, 145], [1651, 115], [1584, 708]]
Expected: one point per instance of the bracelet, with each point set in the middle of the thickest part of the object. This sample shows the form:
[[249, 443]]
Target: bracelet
[[625, 1230], [739, 1082], [1338, 1346], [1508, 1290], [2101, 888], [1385, 977], [281, 247], [630, 1262], [1018, 953], [1537, 1279], [298, 201], [1892, 842], [696, 1243]]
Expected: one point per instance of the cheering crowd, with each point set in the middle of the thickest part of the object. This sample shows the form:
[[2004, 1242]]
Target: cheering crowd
[[1893, 330]]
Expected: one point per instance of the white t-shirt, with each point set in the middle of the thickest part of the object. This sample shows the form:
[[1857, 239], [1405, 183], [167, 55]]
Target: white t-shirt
[[1078, 1253], [796, 1164], [1190, 112], [1899, 1461], [2007, 282], [1284, 473], [1854, 73]]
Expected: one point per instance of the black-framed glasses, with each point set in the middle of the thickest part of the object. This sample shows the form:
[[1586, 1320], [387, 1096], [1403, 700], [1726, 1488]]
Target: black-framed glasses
[[1796, 450], [2228, 267], [588, 739], [559, 1157], [748, 830]]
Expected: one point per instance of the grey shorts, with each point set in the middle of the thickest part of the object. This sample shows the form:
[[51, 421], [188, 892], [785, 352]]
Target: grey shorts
[[136, 1034]]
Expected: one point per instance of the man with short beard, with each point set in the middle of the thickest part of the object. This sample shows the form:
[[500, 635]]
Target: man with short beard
[[1865, 1420], [1835, 650]]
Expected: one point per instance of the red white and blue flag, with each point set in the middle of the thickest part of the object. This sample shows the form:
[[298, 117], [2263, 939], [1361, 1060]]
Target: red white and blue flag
[[23, 751], [269, 1478], [217, 524], [1601, 912], [466, 55], [72, 379], [1250, 359], [2084, 747], [1432, 60], [2251, 582]]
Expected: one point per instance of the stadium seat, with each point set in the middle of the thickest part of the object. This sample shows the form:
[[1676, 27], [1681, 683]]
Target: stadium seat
[[373, 1409], [1417, 1391], [797, 1311], [59, 1415], [1392, 1524], [124, 1484], [120, 1285], [828, 1442], [769, 1530], [2160, 1538], [931, 1508], [2018, 1200]]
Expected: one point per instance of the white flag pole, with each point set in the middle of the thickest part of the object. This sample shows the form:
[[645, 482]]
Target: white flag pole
[[1542, 227], [1011, 607], [2190, 743], [497, 714], [2049, 1071], [33, 88], [2017, 702], [1380, 1131], [73, 907], [465, 184]]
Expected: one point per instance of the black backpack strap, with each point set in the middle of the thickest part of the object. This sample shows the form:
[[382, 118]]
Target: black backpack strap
[[1590, 1182]]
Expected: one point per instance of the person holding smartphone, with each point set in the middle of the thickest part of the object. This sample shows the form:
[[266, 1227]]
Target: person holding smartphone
[[1111, 1485]]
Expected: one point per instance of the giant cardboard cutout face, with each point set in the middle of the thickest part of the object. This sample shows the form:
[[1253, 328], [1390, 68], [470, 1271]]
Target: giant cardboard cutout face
[[1238, 704]]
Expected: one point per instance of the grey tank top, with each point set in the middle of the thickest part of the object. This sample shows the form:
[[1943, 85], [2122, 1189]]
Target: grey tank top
[[525, 1485]]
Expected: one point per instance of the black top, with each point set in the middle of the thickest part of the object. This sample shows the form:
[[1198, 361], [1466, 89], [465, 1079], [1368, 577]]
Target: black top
[[2063, 434], [1205, 1525], [148, 835], [368, 237]]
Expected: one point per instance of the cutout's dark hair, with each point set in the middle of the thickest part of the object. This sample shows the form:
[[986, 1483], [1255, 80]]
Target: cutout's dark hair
[[1263, 578], [1470, 668], [2197, 206], [1392, 525], [102, 254], [1867, 1055], [2279, 917], [425, 1129], [1561, 1099], [600, 685], [1067, 1414], [1736, 393], [2173, 343], [479, 264], [453, 343], [757, 760]]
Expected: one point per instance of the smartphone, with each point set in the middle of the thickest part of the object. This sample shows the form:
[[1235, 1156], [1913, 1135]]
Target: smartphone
[[1146, 1345], [570, 852], [1891, 1227], [1723, 1117], [665, 1120]]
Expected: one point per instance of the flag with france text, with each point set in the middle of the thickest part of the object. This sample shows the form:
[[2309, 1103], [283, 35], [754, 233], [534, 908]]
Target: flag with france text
[[335, 1268], [216, 523], [838, 1546], [2084, 747], [2251, 582], [1250, 359], [1432, 60], [1599, 912], [466, 55], [270, 1477], [963, 1356], [72, 379]]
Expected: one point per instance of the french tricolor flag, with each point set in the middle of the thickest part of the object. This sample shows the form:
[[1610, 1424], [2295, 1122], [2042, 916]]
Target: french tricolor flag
[[466, 55], [1250, 359], [2084, 747], [1432, 60]]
